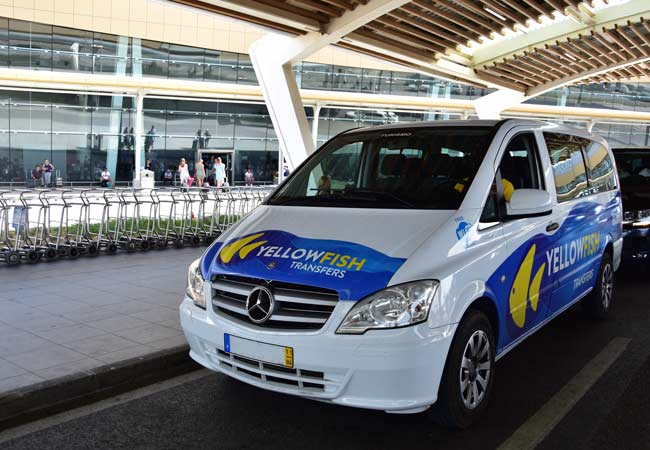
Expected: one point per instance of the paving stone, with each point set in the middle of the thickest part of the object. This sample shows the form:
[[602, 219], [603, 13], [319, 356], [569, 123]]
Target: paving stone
[[118, 323], [20, 381], [44, 323], [47, 356], [76, 332], [69, 368], [8, 370], [20, 341], [124, 354], [101, 345], [148, 333], [170, 342], [157, 315]]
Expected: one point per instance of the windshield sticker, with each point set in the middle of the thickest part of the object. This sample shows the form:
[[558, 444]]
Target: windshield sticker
[[353, 270], [462, 228]]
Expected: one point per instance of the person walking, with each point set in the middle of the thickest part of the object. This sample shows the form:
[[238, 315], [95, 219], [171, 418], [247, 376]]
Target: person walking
[[219, 172], [249, 178], [184, 173], [199, 173], [48, 168]]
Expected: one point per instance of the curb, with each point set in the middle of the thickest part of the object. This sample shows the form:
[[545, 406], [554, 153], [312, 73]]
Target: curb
[[37, 401]]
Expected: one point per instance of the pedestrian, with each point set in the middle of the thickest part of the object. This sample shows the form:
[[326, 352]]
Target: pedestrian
[[206, 139], [149, 139], [199, 173], [168, 177], [184, 173], [148, 165], [249, 178], [199, 139], [219, 172], [105, 178], [48, 168], [131, 138], [286, 172], [37, 174], [125, 138]]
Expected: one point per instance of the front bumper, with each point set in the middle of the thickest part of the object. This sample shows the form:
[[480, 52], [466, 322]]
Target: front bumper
[[395, 370]]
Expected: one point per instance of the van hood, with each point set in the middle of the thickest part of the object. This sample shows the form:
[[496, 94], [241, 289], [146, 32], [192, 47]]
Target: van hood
[[354, 252]]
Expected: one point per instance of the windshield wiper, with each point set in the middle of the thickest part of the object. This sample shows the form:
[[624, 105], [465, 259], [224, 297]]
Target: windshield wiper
[[378, 195]]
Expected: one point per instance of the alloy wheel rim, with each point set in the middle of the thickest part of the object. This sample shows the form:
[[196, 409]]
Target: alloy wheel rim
[[475, 369], [607, 285]]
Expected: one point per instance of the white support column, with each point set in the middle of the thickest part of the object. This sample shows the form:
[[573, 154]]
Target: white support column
[[314, 124], [137, 152], [490, 106], [273, 56]]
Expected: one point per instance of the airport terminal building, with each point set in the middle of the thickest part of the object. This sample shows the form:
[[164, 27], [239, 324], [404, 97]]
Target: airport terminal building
[[83, 85]]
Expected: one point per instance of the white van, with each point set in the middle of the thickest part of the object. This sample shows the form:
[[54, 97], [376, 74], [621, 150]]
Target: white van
[[398, 263]]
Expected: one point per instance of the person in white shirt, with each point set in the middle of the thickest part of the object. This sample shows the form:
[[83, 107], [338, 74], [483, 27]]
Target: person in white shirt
[[219, 172], [184, 173], [105, 178]]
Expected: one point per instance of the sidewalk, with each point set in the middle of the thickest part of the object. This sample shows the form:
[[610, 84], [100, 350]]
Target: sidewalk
[[70, 316]]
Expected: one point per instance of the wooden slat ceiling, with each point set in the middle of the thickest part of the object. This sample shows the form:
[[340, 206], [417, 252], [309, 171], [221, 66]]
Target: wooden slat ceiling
[[431, 29]]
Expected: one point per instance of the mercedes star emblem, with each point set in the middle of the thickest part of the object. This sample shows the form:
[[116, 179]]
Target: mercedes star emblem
[[260, 304]]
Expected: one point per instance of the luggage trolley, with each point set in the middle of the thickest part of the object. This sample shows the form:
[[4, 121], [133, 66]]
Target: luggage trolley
[[59, 224], [93, 215], [9, 252], [168, 203], [37, 221], [129, 236]]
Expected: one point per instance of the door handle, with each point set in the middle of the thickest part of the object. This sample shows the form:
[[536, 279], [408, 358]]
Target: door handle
[[552, 226]]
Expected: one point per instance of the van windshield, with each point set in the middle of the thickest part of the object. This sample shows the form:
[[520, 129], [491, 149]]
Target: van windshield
[[410, 168]]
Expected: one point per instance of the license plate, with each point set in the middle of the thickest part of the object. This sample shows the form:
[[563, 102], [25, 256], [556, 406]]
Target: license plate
[[268, 353]]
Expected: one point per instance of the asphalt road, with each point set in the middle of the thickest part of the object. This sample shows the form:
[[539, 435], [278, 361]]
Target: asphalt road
[[210, 411]]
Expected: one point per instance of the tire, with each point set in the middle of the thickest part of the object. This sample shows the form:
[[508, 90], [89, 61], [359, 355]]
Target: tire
[[161, 244], [93, 250], [51, 254], [130, 246], [32, 257], [196, 241], [111, 248], [459, 407], [12, 258], [144, 245], [74, 252], [598, 303], [179, 243]]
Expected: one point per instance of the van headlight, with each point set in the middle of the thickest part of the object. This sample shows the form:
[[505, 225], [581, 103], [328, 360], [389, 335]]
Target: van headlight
[[396, 306], [195, 281]]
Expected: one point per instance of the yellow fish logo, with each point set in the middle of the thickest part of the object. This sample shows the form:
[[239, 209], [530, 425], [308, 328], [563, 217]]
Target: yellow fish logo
[[242, 247], [523, 289]]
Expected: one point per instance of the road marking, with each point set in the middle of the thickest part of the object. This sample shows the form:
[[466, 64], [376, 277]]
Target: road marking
[[539, 425], [101, 405]]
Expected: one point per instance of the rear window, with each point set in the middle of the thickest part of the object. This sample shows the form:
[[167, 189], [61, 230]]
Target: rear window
[[634, 174]]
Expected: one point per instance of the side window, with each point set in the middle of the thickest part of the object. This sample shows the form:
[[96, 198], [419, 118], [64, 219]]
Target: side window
[[568, 166], [519, 169], [601, 169], [519, 165]]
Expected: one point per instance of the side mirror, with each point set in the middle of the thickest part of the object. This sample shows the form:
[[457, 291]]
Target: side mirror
[[529, 203]]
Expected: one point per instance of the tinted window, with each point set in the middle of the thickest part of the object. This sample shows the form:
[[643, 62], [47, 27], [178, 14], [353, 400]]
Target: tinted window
[[634, 173], [601, 170], [423, 169], [568, 166]]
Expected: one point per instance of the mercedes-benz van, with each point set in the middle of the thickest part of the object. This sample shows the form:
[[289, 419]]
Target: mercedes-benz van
[[398, 263]]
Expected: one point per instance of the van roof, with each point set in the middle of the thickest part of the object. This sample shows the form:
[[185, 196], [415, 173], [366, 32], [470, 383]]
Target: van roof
[[480, 123]]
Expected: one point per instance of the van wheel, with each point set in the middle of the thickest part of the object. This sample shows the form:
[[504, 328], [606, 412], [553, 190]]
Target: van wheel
[[468, 377], [599, 301]]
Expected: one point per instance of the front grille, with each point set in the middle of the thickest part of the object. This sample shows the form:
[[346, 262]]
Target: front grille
[[298, 307], [301, 380]]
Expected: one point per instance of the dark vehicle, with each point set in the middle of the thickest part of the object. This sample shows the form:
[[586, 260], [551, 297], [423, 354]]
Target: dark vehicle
[[634, 174]]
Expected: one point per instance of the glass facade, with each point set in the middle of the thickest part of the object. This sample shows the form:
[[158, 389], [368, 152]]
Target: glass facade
[[82, 133], [78, 133]]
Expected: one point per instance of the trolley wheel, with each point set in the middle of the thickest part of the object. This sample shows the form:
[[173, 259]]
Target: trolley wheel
[[50, 254], [12, 258], [179, 243], [144, 245], [62, 252], [152, 243], [83, 250], [32, 257], [73, 253], [161, 244], [130, 246], [196, 240], [209, 240], [111, 248], [93, 250]]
